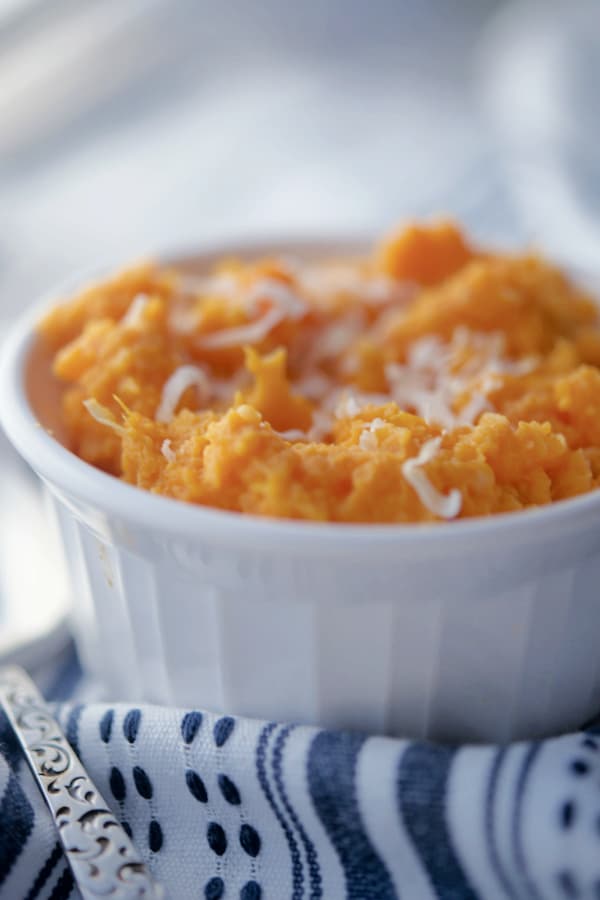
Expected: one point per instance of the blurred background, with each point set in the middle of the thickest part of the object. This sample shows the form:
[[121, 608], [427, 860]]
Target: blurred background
[[129, 125], [132, 125]]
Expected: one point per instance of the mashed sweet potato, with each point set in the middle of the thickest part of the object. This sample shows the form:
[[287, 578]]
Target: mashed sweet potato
[[429, 380]]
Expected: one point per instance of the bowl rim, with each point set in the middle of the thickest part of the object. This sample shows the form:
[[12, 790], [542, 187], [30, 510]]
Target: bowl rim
[[60, 468]]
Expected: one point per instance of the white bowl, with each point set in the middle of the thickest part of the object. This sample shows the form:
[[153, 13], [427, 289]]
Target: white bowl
[[484, 629]]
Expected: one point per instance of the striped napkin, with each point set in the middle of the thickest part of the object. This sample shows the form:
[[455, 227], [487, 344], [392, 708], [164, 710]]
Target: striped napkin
[[225, 807]]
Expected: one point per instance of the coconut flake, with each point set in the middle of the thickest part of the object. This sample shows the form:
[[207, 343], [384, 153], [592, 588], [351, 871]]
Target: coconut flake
[[380, 291], [133, 316], [279, 293], [336, 338], [515, 367], [429, 352], [167, 451], [368, 439], [347, 406], [341, 405], [184, 316], [478, 404], [428, 385], [293, 434], [103, 415], [446, 506], [325, 281], [183, 319], [225, 388], [313, 386], [222, 285], [425, 392], [181, 379], [253, 333], [286, 305], [321, 425], [344, 403]]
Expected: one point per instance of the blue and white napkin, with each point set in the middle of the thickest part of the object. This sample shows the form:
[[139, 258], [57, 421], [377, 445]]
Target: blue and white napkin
[[224, 807]]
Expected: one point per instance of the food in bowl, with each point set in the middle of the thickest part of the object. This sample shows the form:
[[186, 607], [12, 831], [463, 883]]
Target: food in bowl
[[428, 380], [485, 629]]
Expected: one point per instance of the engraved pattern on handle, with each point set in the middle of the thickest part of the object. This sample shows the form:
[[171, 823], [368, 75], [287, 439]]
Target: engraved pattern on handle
[[104, 861]]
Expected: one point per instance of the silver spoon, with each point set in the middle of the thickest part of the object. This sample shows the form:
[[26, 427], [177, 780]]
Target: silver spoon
[[103, 859]]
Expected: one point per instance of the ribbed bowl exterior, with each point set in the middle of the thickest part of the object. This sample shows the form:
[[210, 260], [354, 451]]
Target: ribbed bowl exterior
[[470, 646]]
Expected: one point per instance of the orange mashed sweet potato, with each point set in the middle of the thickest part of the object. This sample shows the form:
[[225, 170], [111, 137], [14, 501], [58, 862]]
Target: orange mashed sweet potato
[[430, 380]]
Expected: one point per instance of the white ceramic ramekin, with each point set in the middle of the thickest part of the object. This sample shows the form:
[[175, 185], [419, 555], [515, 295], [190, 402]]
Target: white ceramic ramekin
[[479, 629]]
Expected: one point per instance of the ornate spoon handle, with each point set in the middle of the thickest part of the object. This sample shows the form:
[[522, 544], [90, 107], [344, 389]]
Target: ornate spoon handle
[[102, 857]]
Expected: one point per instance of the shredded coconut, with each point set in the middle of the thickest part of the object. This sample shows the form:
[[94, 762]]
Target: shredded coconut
[[133, 316], [368, 439], [313, 386], [379, 291], [184, 310], [103, 415], [446, 506], [347, 407], [183, 318], [280, 294], [252, 333], [222, 285], [344, 403], [423, 391], [514, 367], [428, 384], [293, 434], [167, 451], [429, 352], [332, 341], [286, 305], [322, 282], [321, 425], [181, 379], [225, 388], [478, 404]]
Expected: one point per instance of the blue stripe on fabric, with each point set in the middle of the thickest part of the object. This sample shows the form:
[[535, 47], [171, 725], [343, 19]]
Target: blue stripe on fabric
[[423, 775], [261, 757], [72, 727], [332, 761], [490, 837], [517, 820], [314, 872], [9, 745], [131, 725], [63, 887], [16, 824], [45, 872], [223, 730], [105, 726], [189, 726]]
